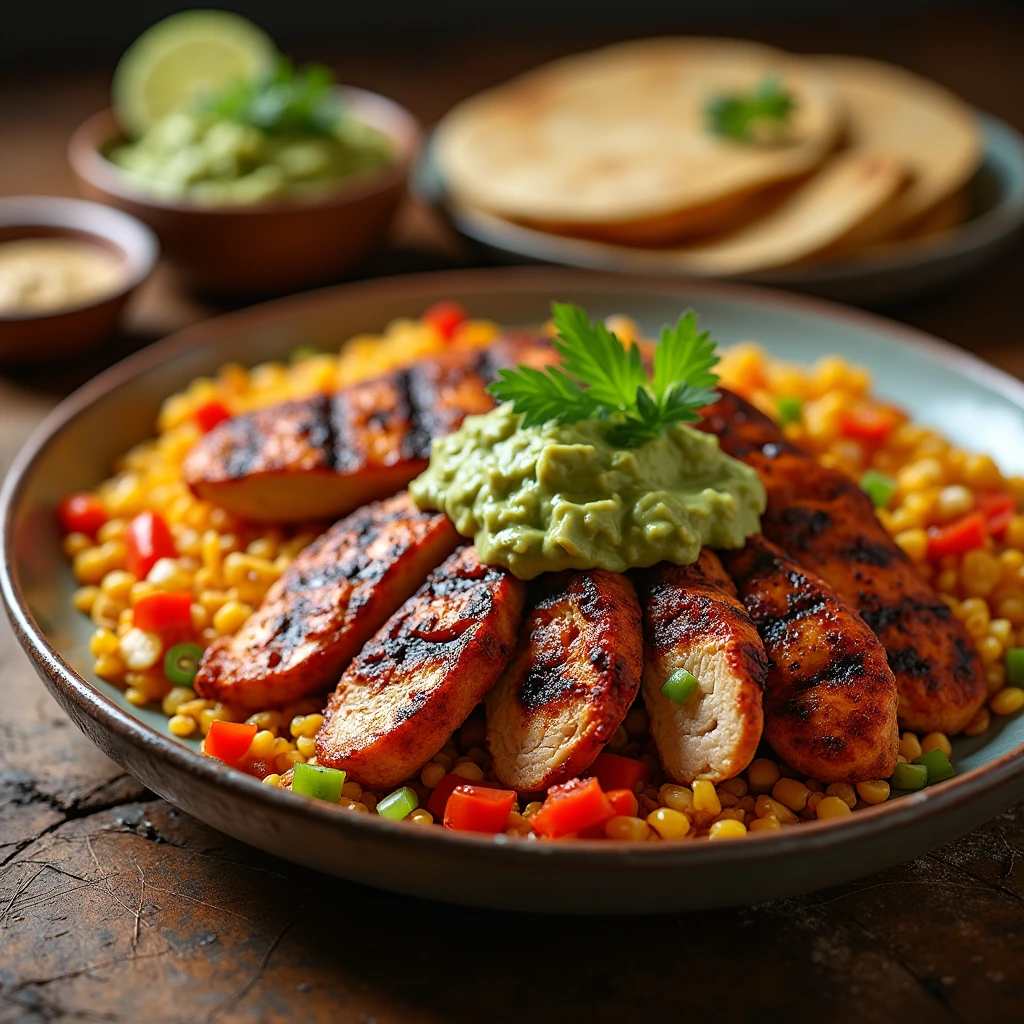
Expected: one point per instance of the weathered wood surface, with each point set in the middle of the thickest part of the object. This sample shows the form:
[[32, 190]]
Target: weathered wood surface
[[116, 907]]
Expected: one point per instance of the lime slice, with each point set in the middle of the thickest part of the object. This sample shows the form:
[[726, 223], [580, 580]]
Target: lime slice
[[182, 57]]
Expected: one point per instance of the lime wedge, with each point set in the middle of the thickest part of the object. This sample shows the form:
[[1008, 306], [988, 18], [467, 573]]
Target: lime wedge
[[182, 57]]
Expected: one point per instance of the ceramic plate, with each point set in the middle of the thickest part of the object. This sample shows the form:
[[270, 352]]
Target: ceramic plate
[[996, 196], [978, 406]]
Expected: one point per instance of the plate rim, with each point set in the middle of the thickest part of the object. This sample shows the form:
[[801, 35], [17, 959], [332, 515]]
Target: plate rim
[[814, 837], [998, 224]]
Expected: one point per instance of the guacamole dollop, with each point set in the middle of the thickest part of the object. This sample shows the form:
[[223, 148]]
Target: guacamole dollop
[[201, 156], [559, 496]]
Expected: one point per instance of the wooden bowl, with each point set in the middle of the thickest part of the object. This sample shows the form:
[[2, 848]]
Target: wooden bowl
[[261, 248], [30, 337]]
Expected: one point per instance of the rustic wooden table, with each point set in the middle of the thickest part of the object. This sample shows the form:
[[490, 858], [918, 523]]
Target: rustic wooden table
[[116, 907]]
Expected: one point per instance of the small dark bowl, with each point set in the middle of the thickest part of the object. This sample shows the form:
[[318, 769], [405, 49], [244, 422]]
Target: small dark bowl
[[30, 337], [261, 248]]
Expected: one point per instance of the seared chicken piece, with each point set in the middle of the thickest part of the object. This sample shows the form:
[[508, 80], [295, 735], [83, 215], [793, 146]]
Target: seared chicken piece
[[326, 605], [575, 673], [423, 673], [693, 621], [827, 523], [830, 696], [325, 455]]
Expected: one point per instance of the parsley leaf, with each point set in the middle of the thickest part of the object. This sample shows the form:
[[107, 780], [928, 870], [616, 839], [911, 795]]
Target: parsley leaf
[[748, 117], [282, 101], [600, 377]]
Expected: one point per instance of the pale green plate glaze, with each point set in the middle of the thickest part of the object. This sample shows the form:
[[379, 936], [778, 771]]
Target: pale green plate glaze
[[976, 405]]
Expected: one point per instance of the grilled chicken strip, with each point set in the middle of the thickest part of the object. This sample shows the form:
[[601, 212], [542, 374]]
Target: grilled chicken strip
[[827, 523], [830, 696], [574, 675], [423, 673], [693, 621], [323, 456], [326, 605]]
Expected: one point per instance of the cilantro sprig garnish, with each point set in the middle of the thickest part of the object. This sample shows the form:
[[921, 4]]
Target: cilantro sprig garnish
[[282, 101], [599, 377], [748, 117]]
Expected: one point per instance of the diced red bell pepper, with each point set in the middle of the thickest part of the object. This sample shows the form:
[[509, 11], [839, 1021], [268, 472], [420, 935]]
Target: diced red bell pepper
[[965, 534], [998, 508], [229, 741], [623, 801], [81, 513], [870, 424], [473, 808], [446, 318], [572, 807], [438, 799], [147, 540], [210, 414], [616, 772], [163, 611]]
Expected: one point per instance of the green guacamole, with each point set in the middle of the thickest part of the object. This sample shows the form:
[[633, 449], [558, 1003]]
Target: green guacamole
[[201, 156], [540, 499]]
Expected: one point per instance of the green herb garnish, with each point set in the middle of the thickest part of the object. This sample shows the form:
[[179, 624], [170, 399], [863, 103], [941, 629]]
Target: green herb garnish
[[601, 378], [282, 101], [743, 116]]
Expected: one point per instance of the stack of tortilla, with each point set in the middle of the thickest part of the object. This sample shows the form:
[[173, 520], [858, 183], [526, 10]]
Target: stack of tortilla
[[617, 146]]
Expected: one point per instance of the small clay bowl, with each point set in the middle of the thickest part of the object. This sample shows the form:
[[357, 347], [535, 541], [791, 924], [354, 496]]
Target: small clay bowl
[[261, 248], [35, 336]]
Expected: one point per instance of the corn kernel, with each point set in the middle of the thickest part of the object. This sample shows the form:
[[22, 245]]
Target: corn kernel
[[1008, 701], [768, 824], [766, 805], [679, 798], [175, 698], [421, 816], [876, 791], [230, 616], [352, 790], [979, 723], [432, 774], [626, 827], [103, 641], [472, 771], [833, 807], [791, 793], [953, 501], [110, 667], [273, 779], [181, 726], [141, 650], [306, 746], [84, 598], [706, 799], [981, 472], [914, 543], [762, 775], [669, 824], [288, 760], [910, 746], [936, 741], [844, 791], [736, 786], [727, 828]]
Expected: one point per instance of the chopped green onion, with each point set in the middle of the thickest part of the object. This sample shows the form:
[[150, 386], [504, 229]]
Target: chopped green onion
[[790, 409], [680, 686], [317, 781], [909, 776], [181, 663], [1015, 667], [399, 804], [303, 352], [939, 768], [878, 487]]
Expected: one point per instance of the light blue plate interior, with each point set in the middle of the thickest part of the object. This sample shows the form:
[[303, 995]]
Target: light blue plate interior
[[976, 406]]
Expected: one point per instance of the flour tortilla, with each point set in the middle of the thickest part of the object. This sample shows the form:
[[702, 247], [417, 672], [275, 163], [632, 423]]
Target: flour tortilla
[[914, 120], [614, 143]]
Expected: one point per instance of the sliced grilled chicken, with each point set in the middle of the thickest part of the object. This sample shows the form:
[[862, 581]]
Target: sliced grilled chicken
[[824, 520], [326, 605], [575, 673], [325, 455], [693, 621], [423, 673], [830, 696]]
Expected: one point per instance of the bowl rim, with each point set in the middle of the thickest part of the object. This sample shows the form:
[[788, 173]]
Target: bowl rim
[[403, 130], [136, 242], [1002, 220], [810, 838]]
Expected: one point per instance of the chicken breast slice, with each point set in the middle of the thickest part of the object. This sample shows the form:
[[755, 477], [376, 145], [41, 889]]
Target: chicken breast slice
[[325, 455], [574, 675], [419, 678], [830, 696], [828, 524], [693, 621], [326, 605]]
